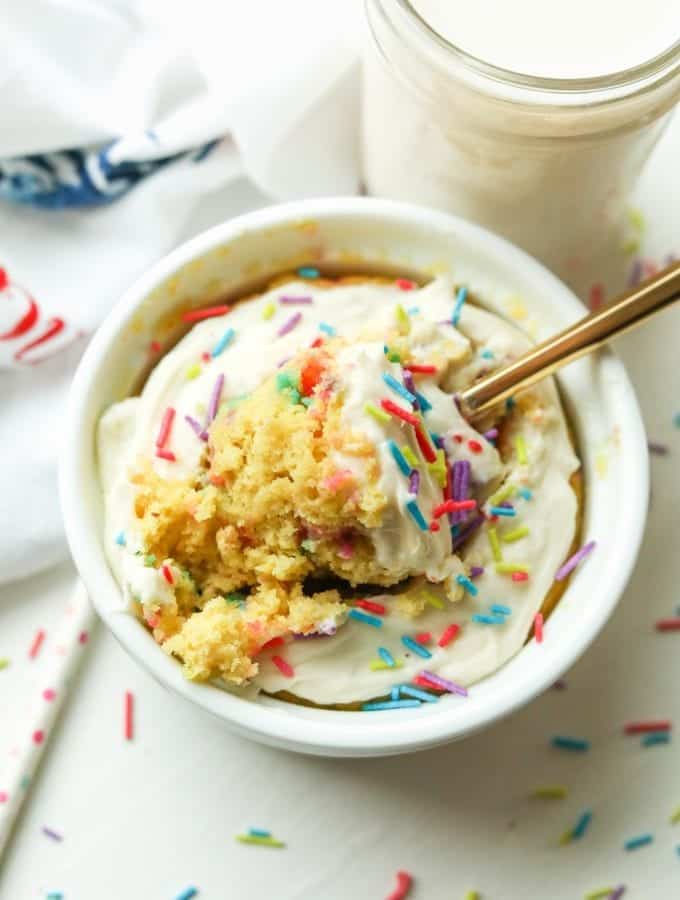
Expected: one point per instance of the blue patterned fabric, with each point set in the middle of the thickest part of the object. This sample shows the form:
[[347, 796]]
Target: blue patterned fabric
[[78, 178]]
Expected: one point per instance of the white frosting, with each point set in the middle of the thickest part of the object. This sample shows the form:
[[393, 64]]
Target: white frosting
[[336, 669]]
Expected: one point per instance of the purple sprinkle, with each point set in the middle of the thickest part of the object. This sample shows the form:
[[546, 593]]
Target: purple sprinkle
[[573, 561], [618, 892], [437, 441], [294, 301], [445, 684], [414, 482], [290, 324], [463, 488], [456, 470], [410, 385], [197, 427], [635, 273], [659, 449], [283, 362], [506, 504], [468, 529], [52, 834], [491, 434], [215, 398], [476, 571]]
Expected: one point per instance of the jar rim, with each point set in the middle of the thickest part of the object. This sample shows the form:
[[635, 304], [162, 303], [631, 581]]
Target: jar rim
[[664, 64]]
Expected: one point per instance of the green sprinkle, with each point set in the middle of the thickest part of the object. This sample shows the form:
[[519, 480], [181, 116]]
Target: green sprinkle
[[193, 371], [295, 395], [236, 598], [599, 893], [398, 457], [501, 494], [268, 311], [150, 559], [393, 356], [410, 456], [506, 568], [494, 543], [377, 665], [285, 380], [473, 895], [3, 663], [376, 413], [403, 321], [521, 450], [262, 841], [515, 535], [550, 792]]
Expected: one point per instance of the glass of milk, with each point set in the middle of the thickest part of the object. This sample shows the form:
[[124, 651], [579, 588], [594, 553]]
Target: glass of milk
[[531, 118]]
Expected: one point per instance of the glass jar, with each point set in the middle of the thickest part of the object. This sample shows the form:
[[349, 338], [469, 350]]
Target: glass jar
[[547, 162]]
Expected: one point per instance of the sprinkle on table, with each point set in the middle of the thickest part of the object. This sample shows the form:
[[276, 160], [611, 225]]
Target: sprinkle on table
[[538, 627], [367, 619], [390, 704], [416, 515], [670, 624], [574, 560], [640, 841], [656, 738], [473, 895], [129, 725], [289, 324], [399, 458], [187, 894], [600, 894], [675, 818], [461, 296], [578, 745], [618, 892], [550, 792], [646, 727], [36, 644], [582, 824], [259, 837], [223, 342], [415, 647], [404, 884], [284, 667], [195, 315]]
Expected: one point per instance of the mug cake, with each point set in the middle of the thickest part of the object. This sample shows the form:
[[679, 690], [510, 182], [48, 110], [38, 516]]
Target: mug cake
[[295, 505]]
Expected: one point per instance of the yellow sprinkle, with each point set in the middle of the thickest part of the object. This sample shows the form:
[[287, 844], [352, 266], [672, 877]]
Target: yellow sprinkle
[[433, 600], [566, 838], [675, 818], [506, 568], [550, 792], [517, 310], [599, 894], [438, 468], [193, 371], [636, 219], [268, 311], [510, 536], [521, 450], [403, 321], [376, 413], [631, 247], [410, 456], [494, 543], [254, 839], [4, 663], [377, 665], [473, 895], [501, 494]]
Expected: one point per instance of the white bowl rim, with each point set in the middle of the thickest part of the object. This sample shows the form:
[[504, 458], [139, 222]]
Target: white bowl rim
[[325, 733]]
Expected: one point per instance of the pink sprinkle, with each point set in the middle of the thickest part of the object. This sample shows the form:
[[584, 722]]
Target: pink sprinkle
[[520, 576], [38, 736], [82, 637], [166, 425], [290, 324], [283, 667], [538, 628], [404, 879], [444, 683], [295, 301], [573, 561], [196, 427], [4, 796], [49, 694], [167, 574], [165, 454], [215, 398], [34, 649]]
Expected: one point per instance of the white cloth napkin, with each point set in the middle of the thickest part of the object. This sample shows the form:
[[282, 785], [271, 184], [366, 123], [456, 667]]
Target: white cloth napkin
[[127, 128]]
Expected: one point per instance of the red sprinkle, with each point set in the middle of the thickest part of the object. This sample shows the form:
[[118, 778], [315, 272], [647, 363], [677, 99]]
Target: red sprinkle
[[274, 642], [644, 727], [426, 447], [38, 736], [475, 446], [371, 606], [167, 573], [448, 635], [217, 480], [538, 628], [166, 425], [205, 356], [397, 411], [596, 296], [422, 681], [36, 644], [520, 576], [668, 624], [310, 375], [453, 506], [424, 637], [418, 369], [195, 315], [283, 667], [404, 884], [405, 284], [434, 526], [129, 715], [155, 346], [166, 454], [458, 438], [317, 342]]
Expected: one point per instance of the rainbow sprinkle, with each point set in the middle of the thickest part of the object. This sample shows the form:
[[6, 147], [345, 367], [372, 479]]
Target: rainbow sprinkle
[[508, 568], [223, 342], [409, 691], [659, 737], [399, 459], [500, 609], [468, 586], [365, 617], [327, 329], [579, 745], [377, 414], [640, 841], [52, 834], [675, 818], [308, 272], [253, 838], [268, 311], [525, 493], [415, 647], [599, 894], [120, 538], [521, 450], [444, 684], [515, 535], [294, 301], [390, 704], [582, 825], [461, 296], [215, 396], [379, 665], [484, 619], [289, 324], [403, 321], [386, 656], [492, 536], [574, 560], [187, 893], [416, 515], [502, 511], [193, 372], [399, 389], [550, 792], [410, 456]]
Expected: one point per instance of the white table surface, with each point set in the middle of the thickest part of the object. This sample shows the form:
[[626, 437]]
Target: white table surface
[[145, 819]]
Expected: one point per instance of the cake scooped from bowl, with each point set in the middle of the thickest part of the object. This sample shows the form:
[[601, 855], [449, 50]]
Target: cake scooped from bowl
[[287, 460]]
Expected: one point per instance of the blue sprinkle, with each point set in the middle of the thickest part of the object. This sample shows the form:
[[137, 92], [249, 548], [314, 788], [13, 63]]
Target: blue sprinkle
[[413, 310], [403, 392], [502, 511], [391, 704], [488, 620], [500, 609], [525, 493], [417, 648], [569, 743], [394, 693], [365, 617], [187, 894], [386, 349], [465, 582], [416, 514], [223, 342], [308, 272], [487, 354], [510, 404], [676, 420], [455, 531], [640, 841], [329, 330], [656, 737], [386, 657], [259, 832], [426, 697], [120, 538], [399, 458], [425, 404], [582, 825], [435, 438], [460, 300]]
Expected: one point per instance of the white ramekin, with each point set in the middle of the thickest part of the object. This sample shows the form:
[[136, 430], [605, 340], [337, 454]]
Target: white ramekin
[[384, 235]]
